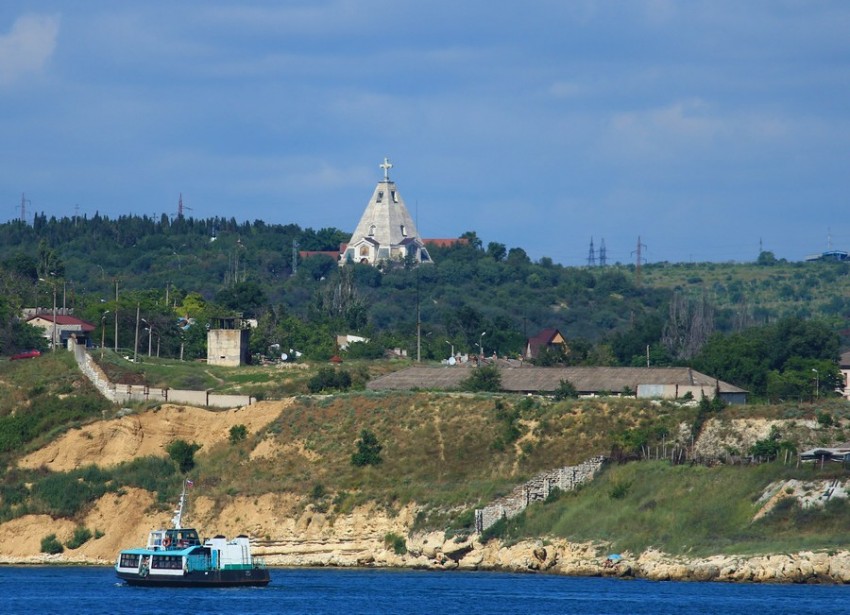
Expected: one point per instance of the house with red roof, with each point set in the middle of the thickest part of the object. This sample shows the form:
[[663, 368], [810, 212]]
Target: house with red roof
[[62, 327], [546, 339]]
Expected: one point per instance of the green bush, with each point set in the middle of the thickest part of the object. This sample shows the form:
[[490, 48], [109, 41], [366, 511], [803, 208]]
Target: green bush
[[395, 542], [329, 378], [82, 535], [483, 379], [183, 454], [238, 433], [65, 494], [50, 545], [566, 390], [368, 450], [619, 489]]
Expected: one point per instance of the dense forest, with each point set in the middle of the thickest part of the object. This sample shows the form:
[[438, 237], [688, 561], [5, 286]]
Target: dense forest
[[730, 320]]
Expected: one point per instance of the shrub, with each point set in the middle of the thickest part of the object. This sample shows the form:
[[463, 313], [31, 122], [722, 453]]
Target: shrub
[[82, 535], [238, 433], [825, 419], [566, 390], [619, 489], [64, 495], [183, 454], [50, 545], [395, 542], [329, 378], [368, 450], [483, 379]]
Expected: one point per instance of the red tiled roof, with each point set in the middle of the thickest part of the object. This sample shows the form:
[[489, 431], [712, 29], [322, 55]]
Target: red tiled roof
[[308, 253], [64, 320], [445, 243]]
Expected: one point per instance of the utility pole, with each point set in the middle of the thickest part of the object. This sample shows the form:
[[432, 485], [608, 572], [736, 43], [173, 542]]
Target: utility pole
[[136, 346], [116, 315]]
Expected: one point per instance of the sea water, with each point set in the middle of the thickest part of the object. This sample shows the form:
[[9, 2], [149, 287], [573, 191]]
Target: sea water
[[78, 590]]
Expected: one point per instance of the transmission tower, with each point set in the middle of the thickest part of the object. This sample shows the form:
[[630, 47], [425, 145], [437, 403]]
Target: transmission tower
[[591, 255], [638, 260], [181, 207], [24, 201], [603, 258]]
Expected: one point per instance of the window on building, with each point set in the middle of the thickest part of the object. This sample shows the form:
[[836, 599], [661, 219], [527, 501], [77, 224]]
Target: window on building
[[372, 231], [395, 196], [403, 231], [380, 197]]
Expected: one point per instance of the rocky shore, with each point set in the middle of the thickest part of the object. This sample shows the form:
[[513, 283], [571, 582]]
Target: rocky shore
[[432, 552]]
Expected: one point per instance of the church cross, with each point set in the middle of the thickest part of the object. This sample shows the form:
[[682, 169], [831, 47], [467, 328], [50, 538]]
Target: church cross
[[386, 166]]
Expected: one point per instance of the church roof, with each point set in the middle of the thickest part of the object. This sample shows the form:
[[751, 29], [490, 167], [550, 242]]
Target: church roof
[[386, 220]]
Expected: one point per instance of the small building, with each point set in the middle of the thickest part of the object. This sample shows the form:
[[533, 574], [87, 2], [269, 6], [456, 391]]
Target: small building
[[62, 327], [547, 339], [227, 342], [386, 231]]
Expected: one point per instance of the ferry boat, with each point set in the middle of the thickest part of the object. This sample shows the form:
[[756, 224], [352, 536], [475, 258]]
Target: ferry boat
[[176, 557]]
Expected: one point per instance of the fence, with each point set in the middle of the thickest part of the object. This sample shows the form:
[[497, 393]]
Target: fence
[[122, 393]]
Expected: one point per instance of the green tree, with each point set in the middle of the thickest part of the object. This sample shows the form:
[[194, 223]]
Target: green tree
[[486, 378], [565, 390], [368, 451], [183, 454]]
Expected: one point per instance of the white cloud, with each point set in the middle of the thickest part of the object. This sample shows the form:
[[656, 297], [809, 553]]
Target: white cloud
[[28, 46]]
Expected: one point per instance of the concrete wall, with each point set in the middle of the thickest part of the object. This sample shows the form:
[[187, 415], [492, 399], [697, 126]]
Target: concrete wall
[[122, 393], [537, 490]]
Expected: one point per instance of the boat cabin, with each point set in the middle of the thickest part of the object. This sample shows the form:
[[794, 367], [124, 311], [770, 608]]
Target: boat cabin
[[173, 539]]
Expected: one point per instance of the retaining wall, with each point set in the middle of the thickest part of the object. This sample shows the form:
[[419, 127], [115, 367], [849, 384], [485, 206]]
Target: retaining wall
[[537, 490]]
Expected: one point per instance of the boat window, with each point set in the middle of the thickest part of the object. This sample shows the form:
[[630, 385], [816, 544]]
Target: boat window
[[129, 560], [167, 562]]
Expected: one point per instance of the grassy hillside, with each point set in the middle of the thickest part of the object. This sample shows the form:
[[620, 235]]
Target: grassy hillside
[[689, 509], [448, 453], [762, 292]]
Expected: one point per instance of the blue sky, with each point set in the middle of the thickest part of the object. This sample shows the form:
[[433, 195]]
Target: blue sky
[[705, 127]]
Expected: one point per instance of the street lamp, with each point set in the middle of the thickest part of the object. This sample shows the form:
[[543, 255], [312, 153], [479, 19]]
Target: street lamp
[[453, 347], [149, 329], [817, 383], [480, 342], [103, 332]]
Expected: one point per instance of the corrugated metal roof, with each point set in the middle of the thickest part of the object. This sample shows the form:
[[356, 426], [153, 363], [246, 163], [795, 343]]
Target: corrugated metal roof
[[533, 379]]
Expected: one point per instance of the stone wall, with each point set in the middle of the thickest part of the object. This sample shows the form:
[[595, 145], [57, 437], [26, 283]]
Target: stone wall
[[537, 490], [122, 393]]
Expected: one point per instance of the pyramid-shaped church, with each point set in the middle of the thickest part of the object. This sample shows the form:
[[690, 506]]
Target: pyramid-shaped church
[[386, 231]]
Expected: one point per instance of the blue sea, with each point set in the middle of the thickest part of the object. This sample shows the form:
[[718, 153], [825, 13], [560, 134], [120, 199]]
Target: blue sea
[[48, 590]]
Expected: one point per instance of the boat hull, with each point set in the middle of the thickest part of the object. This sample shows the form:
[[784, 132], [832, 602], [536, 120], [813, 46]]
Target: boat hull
[[253, 577]]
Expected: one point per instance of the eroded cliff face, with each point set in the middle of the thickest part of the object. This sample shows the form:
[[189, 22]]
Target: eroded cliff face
[[286, 532]]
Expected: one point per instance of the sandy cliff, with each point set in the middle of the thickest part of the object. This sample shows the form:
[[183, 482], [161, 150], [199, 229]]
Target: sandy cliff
[[288, 534]]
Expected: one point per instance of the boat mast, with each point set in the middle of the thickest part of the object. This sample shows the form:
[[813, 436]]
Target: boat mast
[[177, 519]]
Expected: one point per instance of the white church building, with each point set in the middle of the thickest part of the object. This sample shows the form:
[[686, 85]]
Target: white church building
[[386, 231]]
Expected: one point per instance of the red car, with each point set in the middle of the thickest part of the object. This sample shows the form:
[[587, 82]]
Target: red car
[[29, 354]]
